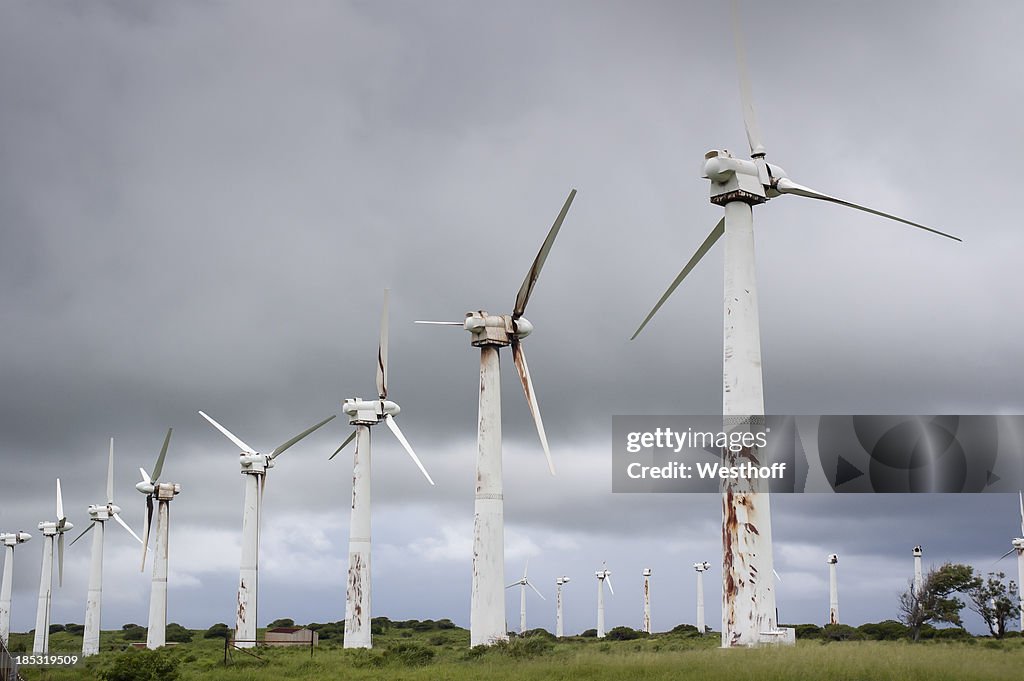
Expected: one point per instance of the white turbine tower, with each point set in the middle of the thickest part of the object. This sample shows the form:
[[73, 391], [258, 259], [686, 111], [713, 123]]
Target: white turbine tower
[[748, 602], [918, 577], [51, 529], [604, 574], [364, 414], [701, 568], [254, 468], [647, 600], [522, 584], [1018, 546], [9, 541], [833, 589], [99, 514], [559, 621], [489, 333], [164, 493]]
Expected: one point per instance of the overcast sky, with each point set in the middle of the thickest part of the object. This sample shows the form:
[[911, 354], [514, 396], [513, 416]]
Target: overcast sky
[[201, 204]]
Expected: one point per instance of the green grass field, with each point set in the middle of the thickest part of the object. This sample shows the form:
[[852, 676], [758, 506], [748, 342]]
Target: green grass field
[[440, 655]]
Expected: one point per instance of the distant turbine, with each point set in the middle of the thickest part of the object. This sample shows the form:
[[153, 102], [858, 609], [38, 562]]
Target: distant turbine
[[99, 514], [559, 621], [1018, 546], [50, 529], [748, 603], [918, 578], [647, 600], [489, 333], [9, 540], [364, 414], [701, 568], [254, 468], [833, 590], [164, 493], [603, 574], [522, 584]]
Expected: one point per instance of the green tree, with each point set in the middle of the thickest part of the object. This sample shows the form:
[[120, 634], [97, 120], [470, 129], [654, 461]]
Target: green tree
[[175, 633], [937, 600], [996, 602], [142, 665], [219, 630]]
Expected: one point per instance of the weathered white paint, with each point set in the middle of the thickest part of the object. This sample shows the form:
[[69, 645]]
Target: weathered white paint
[[1018, 544], [357, 591], [918, 577], [94, 598], [600, 607], [748, 594], [5, 593], [701, 624], [833, 590], [647, 600], [157, 634], [248, 575], [559, 622], [41, 641], [487, 599], [522, 609]]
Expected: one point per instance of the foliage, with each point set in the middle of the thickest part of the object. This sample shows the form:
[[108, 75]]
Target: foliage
[[889, 630], [807, 631], [841, 632], [684, 629], [175, 633], [624, 634], [76, 629], [219, 630], [589, 633], [329, 630], [54, 628], [408, 655], [142, 665], [996, 602], [936, 601], [543, 633], [282, 622], [133, 632]]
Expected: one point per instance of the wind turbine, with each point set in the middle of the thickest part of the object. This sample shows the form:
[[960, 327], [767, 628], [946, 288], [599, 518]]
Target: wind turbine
[[918, 578], [748, 603], [701, 568], [164, 493], [51, 529], [364, 414], [1018, 546], [523, 583], [489, 333], [833, 589], [647, 600], [254, 468], [99, 514], [559, 626], [603, 574], [9, 540]]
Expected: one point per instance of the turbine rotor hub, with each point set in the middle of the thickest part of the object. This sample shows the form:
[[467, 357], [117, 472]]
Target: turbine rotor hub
[[368, 412], [495, 330]]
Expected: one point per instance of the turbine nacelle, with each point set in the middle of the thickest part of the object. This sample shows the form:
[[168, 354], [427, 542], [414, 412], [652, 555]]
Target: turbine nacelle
[[496, 330], [161, 491], [702, 567], [368, 412], [254, 463], [917, 552], [647, 572], [603, 574], [103, 511], [832, 559], [14, 538], [50, 528], [735, 179], [562, 580], [1018, 543]]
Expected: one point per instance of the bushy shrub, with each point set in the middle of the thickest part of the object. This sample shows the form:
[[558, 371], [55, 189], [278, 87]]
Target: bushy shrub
[[408, 655], [282, 622], [72, 628], [952, 633], [133, 632], [623, 634], [142, 665], [543, 633], [589, 633], [841, 632], [175, 633], [889, 630], [807, 631], [684, 629], [219, 630], [54, 628]]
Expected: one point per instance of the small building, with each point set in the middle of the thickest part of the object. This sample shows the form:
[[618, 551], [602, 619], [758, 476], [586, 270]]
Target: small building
[[291, 636]]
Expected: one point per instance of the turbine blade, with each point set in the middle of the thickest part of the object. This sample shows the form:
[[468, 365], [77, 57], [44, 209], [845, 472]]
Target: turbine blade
[[122, 523], [787, 186], [228, 434], [382, 352], [526, 568], [777, 575], [715, 234], [163, 453], [526, 289], [61, 518], [746, 97], [519, 358], [512, 585], [146, 528], [420, 321], [1021, 497], [280, 448], [1003, 556], [609, 580], [343, 445], [390, 420], [84, 532], [530, 584], [60, 559], [110, 474], [145, 476]]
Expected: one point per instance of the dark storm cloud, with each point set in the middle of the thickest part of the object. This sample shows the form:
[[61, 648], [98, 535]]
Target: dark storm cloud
[[201, 203]]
